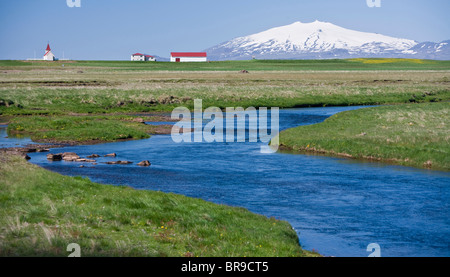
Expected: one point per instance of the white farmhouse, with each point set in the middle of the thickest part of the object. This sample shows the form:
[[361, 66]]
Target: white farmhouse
[[48, 54], [142, 57], [188, 57]]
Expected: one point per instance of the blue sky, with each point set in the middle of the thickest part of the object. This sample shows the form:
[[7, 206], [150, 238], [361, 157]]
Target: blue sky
[[114, 29]]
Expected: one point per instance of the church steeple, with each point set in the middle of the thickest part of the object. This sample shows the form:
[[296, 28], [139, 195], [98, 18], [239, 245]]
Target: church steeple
[[48, 54]]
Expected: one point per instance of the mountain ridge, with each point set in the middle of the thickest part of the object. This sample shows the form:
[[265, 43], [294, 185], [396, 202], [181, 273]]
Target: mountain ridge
[[323, 40]]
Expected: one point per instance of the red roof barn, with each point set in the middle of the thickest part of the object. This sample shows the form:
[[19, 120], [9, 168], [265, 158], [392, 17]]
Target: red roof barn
[[188, 57]]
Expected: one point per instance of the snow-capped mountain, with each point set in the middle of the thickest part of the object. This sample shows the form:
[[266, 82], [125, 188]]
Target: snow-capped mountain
[[432, 50], [313, 40]]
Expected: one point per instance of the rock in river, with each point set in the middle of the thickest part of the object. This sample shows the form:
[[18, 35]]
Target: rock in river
[[144, 163], [54, 157], [70, 157], [85, 161], [119, 162]]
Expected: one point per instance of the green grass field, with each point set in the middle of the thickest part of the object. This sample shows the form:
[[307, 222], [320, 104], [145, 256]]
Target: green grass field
[[32, 99], [250, 65], [120, 87], [42, 212], [36, 93]]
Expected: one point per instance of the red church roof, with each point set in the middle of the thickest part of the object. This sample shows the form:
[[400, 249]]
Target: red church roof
[[188, 54], [48, 47]]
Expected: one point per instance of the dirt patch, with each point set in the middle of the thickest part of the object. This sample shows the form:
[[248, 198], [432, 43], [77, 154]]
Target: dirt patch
[[328, 153], [59, 83], [161, 129]]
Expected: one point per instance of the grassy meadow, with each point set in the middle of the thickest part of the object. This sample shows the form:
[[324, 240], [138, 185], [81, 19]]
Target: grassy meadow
[[101, 101], [120, 87], [42, 212], [250, 65], [33, 94]]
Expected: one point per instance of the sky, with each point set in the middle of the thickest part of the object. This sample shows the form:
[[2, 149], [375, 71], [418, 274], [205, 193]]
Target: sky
[[115, 29]]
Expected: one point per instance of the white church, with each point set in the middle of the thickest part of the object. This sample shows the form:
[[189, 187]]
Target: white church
[[49, 56]]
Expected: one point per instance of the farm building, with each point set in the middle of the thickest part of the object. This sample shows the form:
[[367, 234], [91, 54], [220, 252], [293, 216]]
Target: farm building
[[188, 57], [142, 57], [48, 54]]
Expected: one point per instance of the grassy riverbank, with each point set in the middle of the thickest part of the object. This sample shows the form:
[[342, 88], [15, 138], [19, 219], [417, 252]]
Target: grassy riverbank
[[413, 135], [83, 129], [41, 212]]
